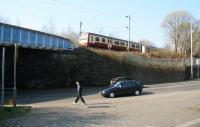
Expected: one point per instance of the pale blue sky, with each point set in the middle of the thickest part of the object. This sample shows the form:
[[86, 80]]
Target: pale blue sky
[[102, 16]]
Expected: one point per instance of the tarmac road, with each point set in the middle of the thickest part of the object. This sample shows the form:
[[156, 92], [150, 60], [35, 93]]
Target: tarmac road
[[161, 105]]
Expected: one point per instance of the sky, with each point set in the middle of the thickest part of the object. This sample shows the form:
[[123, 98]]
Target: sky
[[107, 17]]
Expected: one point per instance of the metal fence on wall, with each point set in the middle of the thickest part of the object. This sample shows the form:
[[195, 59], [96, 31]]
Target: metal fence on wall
[[162, 61]]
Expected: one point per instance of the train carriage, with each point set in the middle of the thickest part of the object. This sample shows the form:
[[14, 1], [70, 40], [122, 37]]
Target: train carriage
[[111, 43]]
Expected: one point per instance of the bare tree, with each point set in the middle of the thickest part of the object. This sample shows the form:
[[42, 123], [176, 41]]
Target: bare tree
[[71, 34], [50, 27], [146, 42], [4, 20], [168, 46], [196, 37], [174, 24], [18, 23]]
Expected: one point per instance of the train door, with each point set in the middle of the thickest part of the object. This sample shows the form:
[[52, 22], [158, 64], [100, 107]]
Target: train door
[[109, 44]]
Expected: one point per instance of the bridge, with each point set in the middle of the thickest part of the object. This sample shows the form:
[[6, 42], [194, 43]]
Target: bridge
[[28, 38], [32, 43]]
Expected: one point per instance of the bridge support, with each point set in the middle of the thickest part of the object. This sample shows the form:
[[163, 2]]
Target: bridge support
[[2, 79]]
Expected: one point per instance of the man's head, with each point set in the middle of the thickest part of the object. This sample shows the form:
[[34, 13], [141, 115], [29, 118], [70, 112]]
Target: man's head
[[77, 83]]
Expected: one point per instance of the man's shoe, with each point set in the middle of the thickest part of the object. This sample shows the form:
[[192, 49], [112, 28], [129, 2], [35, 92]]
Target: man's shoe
[[83, 104], [73, 103]]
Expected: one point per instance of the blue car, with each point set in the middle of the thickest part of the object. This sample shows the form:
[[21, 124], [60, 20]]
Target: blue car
[[121, 88]]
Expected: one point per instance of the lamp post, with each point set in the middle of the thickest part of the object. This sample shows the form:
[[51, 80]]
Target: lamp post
[[191, 48], [80, 31], [129, 30]]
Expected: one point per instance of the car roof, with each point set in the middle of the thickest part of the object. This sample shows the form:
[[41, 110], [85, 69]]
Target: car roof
[[127, 80]]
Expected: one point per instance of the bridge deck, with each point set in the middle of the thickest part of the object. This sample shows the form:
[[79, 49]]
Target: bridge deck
[[27, 38]]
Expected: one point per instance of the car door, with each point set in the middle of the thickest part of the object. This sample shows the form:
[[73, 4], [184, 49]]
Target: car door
[[122, 89], [130, 89], [135, 86]]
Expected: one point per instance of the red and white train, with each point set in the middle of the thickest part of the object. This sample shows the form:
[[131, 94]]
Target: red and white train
[[106, 42]]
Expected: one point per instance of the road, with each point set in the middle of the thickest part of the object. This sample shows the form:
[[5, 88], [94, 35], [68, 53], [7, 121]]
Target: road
[[160, 105]]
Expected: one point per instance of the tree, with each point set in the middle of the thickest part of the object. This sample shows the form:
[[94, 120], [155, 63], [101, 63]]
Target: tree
[[71, 34], [178, 28], [4, 20], [50, 27], [146, 42], [176, 25], [196, 37]]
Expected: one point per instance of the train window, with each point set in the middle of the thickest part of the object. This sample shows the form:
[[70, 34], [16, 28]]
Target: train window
[[148, 49], [16, 35], [97, 39], [122, 43], [103, 40], [116, 42], [92, 39], [7, 34], [137, 46], [133, 45]]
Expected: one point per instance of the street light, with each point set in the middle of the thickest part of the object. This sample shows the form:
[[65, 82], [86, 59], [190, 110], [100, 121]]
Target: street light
[[129, 30], [191, 48]]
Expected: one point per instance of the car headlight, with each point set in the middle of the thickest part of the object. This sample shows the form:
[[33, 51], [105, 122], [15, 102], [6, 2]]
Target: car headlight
[[103, 92]]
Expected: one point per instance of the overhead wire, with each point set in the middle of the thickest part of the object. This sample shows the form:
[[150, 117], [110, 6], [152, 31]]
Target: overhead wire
[[64, 4]]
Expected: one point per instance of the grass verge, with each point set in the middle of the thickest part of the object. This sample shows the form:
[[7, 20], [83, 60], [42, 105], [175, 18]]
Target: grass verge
[[10, 112]]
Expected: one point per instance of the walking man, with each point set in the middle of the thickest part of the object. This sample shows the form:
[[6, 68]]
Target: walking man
[[79, 94]]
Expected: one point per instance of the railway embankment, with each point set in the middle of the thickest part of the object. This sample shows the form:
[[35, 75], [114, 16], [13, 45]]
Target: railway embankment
[[92, 67]]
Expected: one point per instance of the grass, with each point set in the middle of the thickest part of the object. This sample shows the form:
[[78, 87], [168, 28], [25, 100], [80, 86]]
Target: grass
[[10, 112], [196, 107]]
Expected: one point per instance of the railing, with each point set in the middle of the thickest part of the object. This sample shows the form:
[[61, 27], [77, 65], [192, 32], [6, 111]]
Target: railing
[[162, 61]]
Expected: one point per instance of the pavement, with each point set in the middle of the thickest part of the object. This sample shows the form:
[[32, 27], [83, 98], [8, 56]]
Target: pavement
[[160, 105]]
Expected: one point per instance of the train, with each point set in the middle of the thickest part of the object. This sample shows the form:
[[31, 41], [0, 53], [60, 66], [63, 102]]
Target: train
[[89, 39]]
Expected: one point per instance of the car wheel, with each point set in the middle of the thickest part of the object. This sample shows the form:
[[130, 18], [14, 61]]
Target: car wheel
[[112, 94], [137, 92]]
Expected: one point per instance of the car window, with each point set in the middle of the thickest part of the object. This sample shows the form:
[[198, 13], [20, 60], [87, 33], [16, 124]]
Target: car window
[[134, 84], [116, 84], [137, 84], [124, 85], [119, 86], [130, 84]]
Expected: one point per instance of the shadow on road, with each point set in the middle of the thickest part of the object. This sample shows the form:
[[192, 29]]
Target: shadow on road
[[147, 93], [99, 106], [44, 95], [143, 94]]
